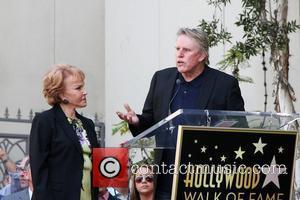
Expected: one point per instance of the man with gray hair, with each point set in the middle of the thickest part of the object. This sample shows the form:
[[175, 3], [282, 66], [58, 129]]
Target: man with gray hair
[[192, 84], [25, 182]]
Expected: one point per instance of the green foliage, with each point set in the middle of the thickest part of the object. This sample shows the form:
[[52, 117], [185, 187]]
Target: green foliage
[[218, 3], [147, 156], [259, 33], [121, 127], [215, 36]]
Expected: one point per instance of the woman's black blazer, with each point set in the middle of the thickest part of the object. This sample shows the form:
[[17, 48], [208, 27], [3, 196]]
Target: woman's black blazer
[[56, 157]]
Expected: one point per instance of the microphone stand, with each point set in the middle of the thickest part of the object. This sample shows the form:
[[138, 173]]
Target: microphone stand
[[171, 126]]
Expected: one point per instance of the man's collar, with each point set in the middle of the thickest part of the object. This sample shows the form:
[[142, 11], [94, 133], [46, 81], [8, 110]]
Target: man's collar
[[196, 82]]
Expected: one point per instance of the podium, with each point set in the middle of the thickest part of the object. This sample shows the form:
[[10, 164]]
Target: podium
[[220, 154]]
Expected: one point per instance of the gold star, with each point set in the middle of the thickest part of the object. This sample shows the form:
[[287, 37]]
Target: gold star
[[272, 172], [259, 146], [239, 153], [280, 150], [203, 149], [223, 158]]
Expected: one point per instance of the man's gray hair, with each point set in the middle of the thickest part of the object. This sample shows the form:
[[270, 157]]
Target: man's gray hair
[[199, 36]]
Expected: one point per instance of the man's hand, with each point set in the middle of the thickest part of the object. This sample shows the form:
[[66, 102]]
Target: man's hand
[[8, 164], [130, 116]]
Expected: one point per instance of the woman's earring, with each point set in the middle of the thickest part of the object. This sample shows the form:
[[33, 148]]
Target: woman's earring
[[65, 101]]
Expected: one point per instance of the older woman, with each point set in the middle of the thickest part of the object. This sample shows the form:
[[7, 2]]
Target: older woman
[[142, 184], [61, 140]]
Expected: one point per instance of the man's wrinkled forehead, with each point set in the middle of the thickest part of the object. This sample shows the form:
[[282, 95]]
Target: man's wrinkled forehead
[[24, 163]]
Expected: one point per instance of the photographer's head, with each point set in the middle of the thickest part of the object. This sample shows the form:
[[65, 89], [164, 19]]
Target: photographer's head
[[23, 168]]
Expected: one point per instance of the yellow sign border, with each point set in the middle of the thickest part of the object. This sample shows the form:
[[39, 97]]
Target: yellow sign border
[[182, 128]]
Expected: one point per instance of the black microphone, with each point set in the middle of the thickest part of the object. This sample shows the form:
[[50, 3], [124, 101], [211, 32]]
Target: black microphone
[[178, 83]]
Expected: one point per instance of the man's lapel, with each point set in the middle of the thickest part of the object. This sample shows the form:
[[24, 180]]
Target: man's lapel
[[206, 88]]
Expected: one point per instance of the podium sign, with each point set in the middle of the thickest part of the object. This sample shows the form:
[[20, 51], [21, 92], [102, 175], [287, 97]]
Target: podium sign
[[233, 163]]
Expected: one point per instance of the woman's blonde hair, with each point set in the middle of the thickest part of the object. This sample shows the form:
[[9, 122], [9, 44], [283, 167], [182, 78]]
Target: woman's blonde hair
[[53, 81]]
